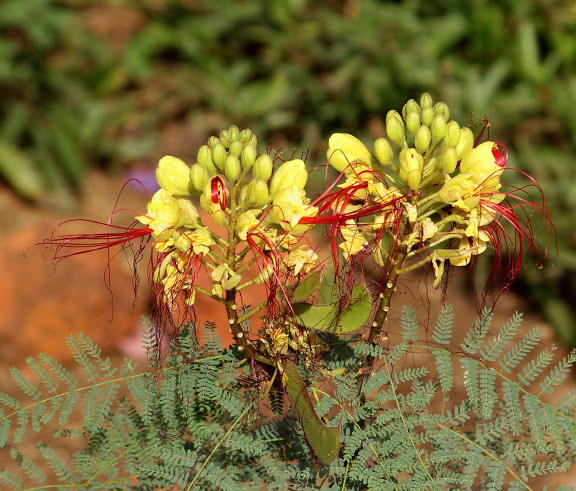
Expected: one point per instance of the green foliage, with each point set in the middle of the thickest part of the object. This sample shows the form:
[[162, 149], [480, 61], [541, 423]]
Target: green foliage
[[201, 422]]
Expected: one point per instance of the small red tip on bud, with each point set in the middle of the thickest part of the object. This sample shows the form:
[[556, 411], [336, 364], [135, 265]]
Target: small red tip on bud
[[219, 194]]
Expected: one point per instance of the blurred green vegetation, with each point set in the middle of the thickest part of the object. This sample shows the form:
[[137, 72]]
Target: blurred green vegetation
[[106, 82]]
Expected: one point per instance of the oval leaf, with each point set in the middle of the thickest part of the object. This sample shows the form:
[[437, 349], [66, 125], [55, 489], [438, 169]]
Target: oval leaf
[[307, 286]]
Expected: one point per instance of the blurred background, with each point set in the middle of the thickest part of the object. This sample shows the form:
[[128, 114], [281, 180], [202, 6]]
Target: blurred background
[[95, 91]]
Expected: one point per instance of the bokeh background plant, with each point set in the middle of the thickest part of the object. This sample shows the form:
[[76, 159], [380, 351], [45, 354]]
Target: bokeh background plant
[[116, 83]]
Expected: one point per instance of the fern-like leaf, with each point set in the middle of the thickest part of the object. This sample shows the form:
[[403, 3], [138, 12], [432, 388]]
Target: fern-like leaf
[[445, 369], [409, 324], [512, 406], [520, 350], [442, 333], [62, 373], [536, 420], [535, 367], [558, 373], [82, 357], [496, 345], [30, 468], [470, 373], [28, 387], [10, 480], [68, 406], [478, 332], [43, 375], [487, 391]]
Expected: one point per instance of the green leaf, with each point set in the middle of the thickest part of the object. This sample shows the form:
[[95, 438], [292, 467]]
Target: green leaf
[[324, 439], [306, 287], [324, 317]]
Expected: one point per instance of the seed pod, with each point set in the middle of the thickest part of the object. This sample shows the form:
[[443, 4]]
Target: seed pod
[[236, 148], [289, 173], [452, 135], [438, 127], [262, 168], [427, 116], [205, 159], [248, 156], [395, 127], [422, 139], [383, 151], [173, 175], [426, 100], [219, 155], [465, 144], [232, 167], [198, 176], [413, 121]]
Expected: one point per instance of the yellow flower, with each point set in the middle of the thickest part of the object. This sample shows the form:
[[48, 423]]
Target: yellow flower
[[201, 240], [301, 259], [289, 206], [456, 188], [354, 239], [245, 223], [344, 150], [173, 175], [411, 166], [163, 213], [482, 166]]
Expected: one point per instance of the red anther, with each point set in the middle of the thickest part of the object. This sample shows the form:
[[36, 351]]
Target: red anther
[[219, 194], [500, 154]]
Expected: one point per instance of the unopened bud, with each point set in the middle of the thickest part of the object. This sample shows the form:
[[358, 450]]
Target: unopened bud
[[422, 139], [225, 139], [205, 159], [383, 151], [395, 127], [345, 149], [409, 107], [173, 176], [236, 148], [232, 167], [219, 155], [438, 127], [248, 156], [258, 192], [465, 144], [291, 173], [452, 136], [198, 176], [413, 121], [426, 100], [213, 141], [262, 168], [245, 135], [448, 160], [234, 133], [411, 166], [253, 141], [442, 108], [189, 212], [427, 115]]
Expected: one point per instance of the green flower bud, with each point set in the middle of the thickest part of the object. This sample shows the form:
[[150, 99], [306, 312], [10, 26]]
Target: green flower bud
[[248, 156], [234, 133], [205, 159], [253, 141], [198, 176], [422, 139], [262, 168], [448, 160], [232, 167], [409, 107], [243, 196], [452, 136], [258, 192], [173, 176], [225, 139], [395, 127], [236, 148], [291, 173], [219, 154], [442, 108], [427, 115], [383, 151], [213, 141], [413, 121], [245, 135], [345, 149], [189, 212], [465, 144], [426, 100], [438, 127], [411, 166]]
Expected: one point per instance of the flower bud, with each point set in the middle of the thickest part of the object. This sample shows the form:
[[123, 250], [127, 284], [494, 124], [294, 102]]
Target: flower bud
[[409, 107], [245, 135], [236, 148], [291, 173], [234, 133], [413, 121], [213, 141], [438, 127], [262, 168], [253, 141], [215, 195], [395, 127], [411, 166], [248, 156], [189, 212], [452, 135], [258, 192], [481, 163], [448, 160], [426, 100], [383, 151], [205, 159], [427, 115], [198, 176], [225, 139], [442, 108], [232, 167], [465, 143], [290, 205], [422, 139], [219, 155], [345, 149], [173, 175]]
